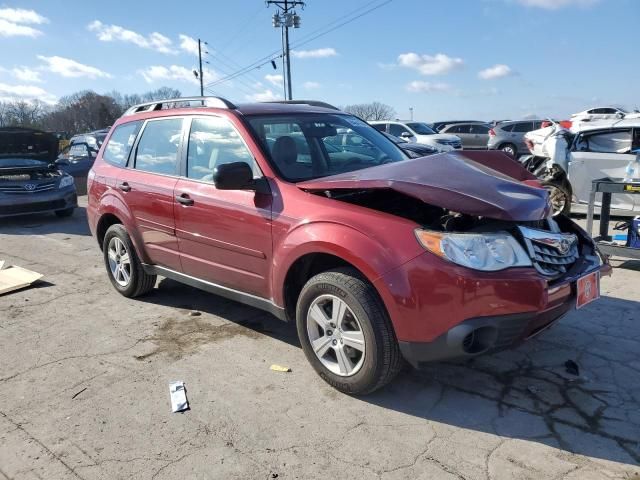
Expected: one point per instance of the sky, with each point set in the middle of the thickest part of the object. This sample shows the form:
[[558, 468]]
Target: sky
[[454, 59]]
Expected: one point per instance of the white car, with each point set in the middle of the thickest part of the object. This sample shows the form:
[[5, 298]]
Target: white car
[[602, 113], [419, 132], [568, 162]]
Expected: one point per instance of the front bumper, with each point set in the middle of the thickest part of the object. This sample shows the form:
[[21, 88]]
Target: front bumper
[[12, 204], [442, 311]]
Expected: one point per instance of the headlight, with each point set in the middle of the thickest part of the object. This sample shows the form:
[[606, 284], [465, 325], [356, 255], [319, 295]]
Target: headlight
[[66, 181], [480, 251]]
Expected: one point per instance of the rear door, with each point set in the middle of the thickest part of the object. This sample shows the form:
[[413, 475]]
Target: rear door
[[148, 188], [479, 136], [601, 154], [224, 235]]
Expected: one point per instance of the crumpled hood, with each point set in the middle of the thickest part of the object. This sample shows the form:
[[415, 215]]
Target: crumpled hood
[[486, 184]]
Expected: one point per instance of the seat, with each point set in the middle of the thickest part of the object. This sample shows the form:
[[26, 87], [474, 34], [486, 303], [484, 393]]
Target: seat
[[285, 156]]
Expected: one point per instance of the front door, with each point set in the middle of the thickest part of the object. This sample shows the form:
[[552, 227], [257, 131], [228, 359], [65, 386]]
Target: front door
[[224, 235], [148, 189], [598, 155]]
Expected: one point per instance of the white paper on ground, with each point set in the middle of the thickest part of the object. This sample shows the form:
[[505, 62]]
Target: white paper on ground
[[178, 397]]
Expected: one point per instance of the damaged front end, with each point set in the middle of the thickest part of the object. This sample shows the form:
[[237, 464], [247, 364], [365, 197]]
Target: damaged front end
[[500, 268]]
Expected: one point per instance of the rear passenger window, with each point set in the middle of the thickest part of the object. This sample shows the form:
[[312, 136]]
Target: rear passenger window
[[157, 150], [523, 127], [213, 141], [506, 128], [117, 150]]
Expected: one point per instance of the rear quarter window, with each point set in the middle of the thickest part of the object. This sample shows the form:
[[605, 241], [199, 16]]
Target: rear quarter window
[[119, 146]]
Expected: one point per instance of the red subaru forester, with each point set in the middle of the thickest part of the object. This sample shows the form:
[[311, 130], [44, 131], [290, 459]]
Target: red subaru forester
[[311, 214]]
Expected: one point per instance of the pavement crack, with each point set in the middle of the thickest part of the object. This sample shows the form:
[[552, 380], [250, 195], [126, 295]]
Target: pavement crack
[[42, 445]]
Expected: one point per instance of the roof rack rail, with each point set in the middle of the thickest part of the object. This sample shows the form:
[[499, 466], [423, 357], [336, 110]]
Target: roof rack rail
[[313, 103], [216, 102]]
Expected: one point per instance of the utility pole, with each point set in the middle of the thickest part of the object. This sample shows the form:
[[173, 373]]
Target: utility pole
[[286, 18], [200, 68]]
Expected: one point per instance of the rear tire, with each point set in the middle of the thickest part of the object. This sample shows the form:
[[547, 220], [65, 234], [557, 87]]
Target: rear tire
[[67, 212], [123, 265], [363, 322], [509, 149]]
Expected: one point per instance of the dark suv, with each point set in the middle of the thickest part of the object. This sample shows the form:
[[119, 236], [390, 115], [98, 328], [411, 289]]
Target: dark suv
[[375, 256]]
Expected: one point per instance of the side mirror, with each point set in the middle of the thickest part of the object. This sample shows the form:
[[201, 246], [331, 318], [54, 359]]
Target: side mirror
[[405, 135], [234, 176]]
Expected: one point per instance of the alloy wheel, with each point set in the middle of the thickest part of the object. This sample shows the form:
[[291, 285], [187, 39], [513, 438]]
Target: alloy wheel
[[119, 262], [336, 335], [557, 198]]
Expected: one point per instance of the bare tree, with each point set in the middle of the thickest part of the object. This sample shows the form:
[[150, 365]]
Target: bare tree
[[371, 111], [76, 113]]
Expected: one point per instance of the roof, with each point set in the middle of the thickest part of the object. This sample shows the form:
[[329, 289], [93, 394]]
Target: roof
[[280, 108], [611, 123]]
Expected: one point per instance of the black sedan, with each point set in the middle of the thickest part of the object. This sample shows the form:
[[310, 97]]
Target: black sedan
[[30, 181], [414, 150]]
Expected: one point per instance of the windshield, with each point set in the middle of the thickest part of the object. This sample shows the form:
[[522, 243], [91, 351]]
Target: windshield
[[21, 162], [306, 146], [421, 128]]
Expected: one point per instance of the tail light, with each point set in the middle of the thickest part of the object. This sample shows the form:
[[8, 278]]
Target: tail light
[[492, 132], [566, 124]]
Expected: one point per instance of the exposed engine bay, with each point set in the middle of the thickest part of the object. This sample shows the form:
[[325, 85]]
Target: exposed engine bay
[[554, 244], [30, 173]]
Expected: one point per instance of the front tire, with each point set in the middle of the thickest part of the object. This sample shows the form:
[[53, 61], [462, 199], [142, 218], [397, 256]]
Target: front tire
[[123, 265], [346, 333], [559, 197]]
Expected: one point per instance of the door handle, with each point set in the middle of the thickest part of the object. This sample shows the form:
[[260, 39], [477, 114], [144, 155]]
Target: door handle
[[184, 199], [124, 186]]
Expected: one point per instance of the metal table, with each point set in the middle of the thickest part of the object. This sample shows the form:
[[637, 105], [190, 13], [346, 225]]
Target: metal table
[[609, 186]]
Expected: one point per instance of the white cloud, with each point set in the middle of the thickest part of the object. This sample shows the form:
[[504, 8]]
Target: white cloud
[[14, 22], [188, 44], [311, 85], [497, 71], [557, 4], [157, 73], [274, 79], [70, 68], [264, 96], [25, 92], [419, 86], [110, 33], [26, 74], [20, 15], [437, 64], [318, 53]]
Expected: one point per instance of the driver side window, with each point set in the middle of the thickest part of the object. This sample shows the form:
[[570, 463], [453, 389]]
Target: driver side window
[[397, 130]]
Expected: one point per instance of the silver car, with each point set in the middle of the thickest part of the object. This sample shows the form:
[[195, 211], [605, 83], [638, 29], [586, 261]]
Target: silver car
[[509, 136], [474, 135]]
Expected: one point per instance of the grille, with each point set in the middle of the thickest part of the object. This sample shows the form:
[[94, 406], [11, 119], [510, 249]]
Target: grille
[[38, 187], [453, 143], [552, 253]]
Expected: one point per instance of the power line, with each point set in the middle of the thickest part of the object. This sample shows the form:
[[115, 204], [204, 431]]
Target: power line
[[306, 39]]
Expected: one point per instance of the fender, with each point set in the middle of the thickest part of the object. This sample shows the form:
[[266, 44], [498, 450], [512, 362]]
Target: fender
[[113, 204], [363, 252]]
